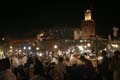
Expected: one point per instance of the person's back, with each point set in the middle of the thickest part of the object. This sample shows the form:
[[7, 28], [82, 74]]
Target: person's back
[[116, 65], [116, 61], [60, 70], [5, 71], [7, 75], [88, 69], [104, 66], [38, 66], [50, 71]]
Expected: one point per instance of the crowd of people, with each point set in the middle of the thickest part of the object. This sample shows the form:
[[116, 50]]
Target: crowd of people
[[72, 67]]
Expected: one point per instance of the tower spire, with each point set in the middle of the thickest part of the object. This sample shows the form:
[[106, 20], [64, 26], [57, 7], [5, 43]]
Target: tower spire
[[88, 15]]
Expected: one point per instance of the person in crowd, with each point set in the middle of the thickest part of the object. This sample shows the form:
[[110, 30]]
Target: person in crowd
[[51, 71], [60, 70], [73, 60], [38, 70], [5, 71], [67, 62], [88, 72], [104, 69], [116, 65], [79, 62], [15, 64], [38, 66]]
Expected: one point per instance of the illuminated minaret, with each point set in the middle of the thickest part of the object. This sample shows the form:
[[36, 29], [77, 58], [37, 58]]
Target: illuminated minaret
[[88, 15], [88, 25]]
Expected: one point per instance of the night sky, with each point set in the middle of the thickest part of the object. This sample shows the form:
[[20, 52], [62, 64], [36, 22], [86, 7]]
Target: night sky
[[20, 17]]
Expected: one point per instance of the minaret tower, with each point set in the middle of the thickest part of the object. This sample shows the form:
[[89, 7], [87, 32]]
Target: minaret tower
[[88, 25], [88, 15]]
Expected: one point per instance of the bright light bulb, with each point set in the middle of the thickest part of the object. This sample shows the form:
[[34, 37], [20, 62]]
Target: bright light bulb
[[55, 46], [11, 47], [24, 48], [88, 44], [29, 48], [37, 48]]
